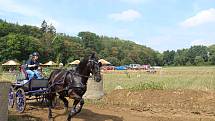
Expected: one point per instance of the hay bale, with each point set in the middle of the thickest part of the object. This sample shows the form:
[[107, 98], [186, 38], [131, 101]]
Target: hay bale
[[4, 88], [94, 89]]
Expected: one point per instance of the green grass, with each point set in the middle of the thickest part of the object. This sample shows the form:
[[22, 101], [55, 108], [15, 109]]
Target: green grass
[[197, 78], [8, 77]]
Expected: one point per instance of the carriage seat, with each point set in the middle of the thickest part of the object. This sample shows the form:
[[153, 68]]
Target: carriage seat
[[22, 75], [22, 79]]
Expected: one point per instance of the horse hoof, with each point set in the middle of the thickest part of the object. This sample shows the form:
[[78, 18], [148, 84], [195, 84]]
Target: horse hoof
[[69, 119], [51, 119]]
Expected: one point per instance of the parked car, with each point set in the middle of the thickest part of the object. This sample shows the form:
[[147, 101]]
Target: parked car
[[120, 68], [134, 66], [108, 67], [144, 67]]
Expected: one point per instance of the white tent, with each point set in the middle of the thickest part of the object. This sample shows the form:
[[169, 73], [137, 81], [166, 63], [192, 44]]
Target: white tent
[[104, 62], [11, 63], [50, 63], [76, 62]]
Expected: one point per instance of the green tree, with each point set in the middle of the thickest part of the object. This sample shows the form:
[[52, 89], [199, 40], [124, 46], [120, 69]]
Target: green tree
[[51, 29], [168, 57], [127, 61], [212, 54], [16, 46], [197, 51], [159, 59], [113, 60], [90, 40], [180, 57], [199, 60], [44, 26]]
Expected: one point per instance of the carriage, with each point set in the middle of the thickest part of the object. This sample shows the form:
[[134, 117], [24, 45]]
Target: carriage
[[24, 89], [65, 83]]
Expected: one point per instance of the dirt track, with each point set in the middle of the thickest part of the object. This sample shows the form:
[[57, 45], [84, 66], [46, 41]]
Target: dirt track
[[148, 105]]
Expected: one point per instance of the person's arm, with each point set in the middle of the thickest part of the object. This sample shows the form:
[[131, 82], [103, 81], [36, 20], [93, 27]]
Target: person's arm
[[37, 64], [29, 64]]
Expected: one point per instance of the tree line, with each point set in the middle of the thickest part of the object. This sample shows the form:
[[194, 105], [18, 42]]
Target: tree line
[[19, 41]]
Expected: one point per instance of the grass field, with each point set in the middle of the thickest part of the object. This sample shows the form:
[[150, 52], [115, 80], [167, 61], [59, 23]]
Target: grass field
[[9, 77], [197, 78]]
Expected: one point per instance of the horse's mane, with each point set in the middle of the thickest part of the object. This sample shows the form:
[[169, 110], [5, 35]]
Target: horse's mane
[[82, 64]]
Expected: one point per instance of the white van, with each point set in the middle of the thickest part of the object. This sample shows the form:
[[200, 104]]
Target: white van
[[134, 66]]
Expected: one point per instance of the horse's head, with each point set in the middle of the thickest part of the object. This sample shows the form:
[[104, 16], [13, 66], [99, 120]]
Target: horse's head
[[90, 64], [94, 66]]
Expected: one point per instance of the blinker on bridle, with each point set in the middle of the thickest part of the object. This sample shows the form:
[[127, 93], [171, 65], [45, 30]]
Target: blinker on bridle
[[91, 65]]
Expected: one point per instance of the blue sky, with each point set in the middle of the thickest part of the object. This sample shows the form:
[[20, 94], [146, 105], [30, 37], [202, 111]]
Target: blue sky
[[159, 24]]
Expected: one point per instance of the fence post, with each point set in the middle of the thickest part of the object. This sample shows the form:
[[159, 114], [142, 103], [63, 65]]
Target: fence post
[[4, 88]]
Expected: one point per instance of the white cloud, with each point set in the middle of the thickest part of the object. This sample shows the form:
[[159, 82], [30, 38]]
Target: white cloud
[[201, 42], [205, 16], [128, 15]]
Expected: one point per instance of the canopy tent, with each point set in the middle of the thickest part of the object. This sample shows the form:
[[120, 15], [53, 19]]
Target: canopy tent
[[60, 64], [50, 63], [104, 62], [11, 63], [76, 62]]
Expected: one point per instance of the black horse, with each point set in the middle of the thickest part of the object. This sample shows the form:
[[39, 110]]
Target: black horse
[[73, 84]]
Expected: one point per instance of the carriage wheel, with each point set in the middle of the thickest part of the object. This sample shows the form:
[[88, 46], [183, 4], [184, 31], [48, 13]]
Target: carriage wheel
[[11, 97], [20, 100]]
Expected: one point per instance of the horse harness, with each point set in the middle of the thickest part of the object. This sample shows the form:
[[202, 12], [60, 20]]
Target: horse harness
[[72, 84], [75, 83]]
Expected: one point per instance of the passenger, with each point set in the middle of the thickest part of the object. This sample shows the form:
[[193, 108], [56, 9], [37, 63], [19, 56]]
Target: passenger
[[32, 67]]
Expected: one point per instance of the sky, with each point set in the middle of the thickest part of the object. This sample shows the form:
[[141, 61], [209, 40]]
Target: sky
[[159, 24]]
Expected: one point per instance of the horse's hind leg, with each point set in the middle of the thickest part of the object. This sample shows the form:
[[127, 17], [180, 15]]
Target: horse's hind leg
[[50, 98], [65, 101], [50, 110]]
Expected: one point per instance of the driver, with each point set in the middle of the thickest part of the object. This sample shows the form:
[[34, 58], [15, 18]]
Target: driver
[[32, 67]]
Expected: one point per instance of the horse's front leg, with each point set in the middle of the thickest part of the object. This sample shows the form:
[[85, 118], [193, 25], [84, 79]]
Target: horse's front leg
[[73, 111], [79, 107]]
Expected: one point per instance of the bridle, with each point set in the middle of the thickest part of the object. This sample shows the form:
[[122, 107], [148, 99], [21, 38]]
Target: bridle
[[93, 69]]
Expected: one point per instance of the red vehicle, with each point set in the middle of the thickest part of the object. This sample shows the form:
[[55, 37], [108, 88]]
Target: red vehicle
[[108, 67]]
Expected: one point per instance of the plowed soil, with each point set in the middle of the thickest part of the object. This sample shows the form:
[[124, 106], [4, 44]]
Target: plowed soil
[[125, 105]]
